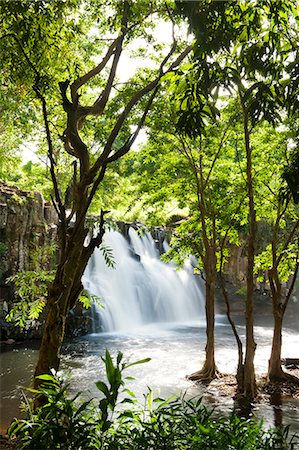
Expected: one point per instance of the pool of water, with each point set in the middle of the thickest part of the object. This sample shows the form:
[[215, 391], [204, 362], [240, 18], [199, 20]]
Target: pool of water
[[175, 351]]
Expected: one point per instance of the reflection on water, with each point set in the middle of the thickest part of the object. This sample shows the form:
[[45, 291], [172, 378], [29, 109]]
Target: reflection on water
[[175, 351], [16, 369]]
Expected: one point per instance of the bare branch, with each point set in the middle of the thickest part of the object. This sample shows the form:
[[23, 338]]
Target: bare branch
[[97, 240], [291, 288], [79, 82], [287, 242], [216, 156], [134, 100], [126, 147], [61, 209], [99, 105]]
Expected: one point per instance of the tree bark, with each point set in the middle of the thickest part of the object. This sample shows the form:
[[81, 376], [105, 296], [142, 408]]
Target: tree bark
[[61, 297], [240, 366], [249, 388], [275, 372], [209, 369], [63, 294]]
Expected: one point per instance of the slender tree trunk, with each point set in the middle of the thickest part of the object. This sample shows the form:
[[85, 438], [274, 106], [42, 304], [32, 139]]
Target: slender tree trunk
[[279, 305], [275, 372], [240, 366], [209, 369], [249, 371]]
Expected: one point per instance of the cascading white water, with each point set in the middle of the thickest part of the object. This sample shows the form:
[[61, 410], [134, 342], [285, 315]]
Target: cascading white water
[[141, 289]]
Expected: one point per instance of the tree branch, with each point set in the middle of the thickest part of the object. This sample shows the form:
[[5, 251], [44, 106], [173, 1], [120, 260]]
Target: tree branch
[[99, 105], [130, 141], [59, 202], [221, 143], [79, 82], [287, 242], [291, 288], [134, 100]]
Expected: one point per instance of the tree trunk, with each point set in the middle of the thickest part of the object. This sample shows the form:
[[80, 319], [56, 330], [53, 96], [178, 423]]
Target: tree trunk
[[275, 372], [61, 297], [63, 294], [240, 366], [209, 369], [249, 371]]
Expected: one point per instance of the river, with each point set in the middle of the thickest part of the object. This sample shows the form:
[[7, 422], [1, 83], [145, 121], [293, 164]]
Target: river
[[152, 310]]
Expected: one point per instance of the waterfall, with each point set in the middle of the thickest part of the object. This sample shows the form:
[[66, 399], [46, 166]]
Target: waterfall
[[141, 289]]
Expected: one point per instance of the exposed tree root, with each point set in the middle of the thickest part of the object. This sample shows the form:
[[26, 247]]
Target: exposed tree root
[[284, 377], [204, 375]]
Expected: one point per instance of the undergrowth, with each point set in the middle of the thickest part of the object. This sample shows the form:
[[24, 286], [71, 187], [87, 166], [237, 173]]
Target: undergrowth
[[120, 422]]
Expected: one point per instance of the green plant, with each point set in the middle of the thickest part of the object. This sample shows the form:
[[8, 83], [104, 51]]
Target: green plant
[[66, 423], [60, 423], [188, 425], [31, 287], [3, 250], [177, 423], [108, 256]]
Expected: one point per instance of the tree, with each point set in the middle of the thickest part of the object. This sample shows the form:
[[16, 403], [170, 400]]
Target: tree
[[88, 96], [193, 177], [254, 68], [277, 260]]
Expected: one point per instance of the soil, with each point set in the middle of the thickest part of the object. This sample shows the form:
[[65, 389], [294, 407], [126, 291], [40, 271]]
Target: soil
[[225, 386]]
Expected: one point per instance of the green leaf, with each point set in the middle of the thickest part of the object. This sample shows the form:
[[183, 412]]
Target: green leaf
[[47, 377], [141, 361], [110, 371], [103, 388]]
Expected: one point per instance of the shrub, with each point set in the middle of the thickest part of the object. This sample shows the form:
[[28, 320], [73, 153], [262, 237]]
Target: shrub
[[111, 424]]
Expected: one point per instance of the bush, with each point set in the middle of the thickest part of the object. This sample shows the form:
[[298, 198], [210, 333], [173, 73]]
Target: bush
[[173, 424]]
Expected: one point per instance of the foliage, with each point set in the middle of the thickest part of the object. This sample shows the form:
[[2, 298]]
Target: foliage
[[108, 255], [66, 423], [88, 299], [31, 287], [177, 423], [3, 250]]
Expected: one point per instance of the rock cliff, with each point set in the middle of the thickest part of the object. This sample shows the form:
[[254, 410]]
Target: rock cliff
[[26, 222]]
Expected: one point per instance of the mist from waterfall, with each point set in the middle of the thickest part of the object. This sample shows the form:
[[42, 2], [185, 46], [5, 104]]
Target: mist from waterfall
[[141, 289]]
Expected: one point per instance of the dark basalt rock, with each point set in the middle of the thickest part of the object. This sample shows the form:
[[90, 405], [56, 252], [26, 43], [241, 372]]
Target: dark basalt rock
[[26, 223]]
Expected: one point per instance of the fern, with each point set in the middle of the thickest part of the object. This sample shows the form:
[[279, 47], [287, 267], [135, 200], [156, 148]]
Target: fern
[[87, 299], [108, 256]]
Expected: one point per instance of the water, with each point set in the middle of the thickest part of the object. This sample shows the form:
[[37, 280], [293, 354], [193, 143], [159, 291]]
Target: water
[[151, 310], [141, 289], [175, 351]]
